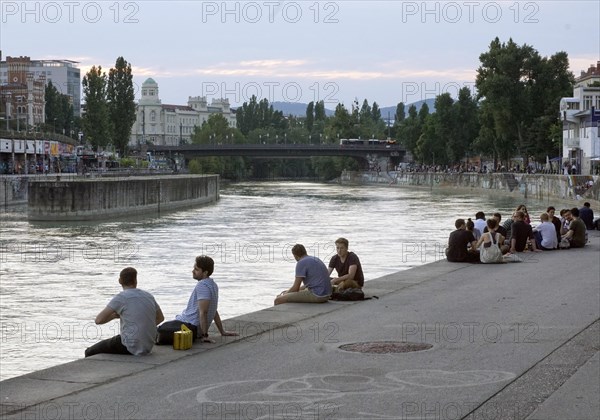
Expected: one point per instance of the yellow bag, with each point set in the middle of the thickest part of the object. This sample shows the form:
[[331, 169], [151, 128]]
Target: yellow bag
[[182, 340]]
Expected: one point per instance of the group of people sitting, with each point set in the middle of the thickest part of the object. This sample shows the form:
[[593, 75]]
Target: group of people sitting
[[142, 319], [488, 241]]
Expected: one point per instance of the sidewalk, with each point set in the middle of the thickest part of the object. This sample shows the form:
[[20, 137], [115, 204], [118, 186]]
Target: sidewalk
[[510, 341]]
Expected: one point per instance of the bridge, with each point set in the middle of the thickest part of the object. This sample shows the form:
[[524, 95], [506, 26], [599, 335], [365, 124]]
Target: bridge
[[393, 152]]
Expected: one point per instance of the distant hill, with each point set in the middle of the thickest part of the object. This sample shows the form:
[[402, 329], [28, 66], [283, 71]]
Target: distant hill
[[298, 109], [392, 109]]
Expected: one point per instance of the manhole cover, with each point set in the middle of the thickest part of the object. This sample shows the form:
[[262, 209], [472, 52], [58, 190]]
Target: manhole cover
[[383, 347]]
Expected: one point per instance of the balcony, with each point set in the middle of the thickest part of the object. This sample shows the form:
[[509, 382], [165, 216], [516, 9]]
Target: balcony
[[572, 142]]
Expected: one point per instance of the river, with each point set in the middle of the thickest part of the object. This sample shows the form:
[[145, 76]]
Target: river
[[55, 278]]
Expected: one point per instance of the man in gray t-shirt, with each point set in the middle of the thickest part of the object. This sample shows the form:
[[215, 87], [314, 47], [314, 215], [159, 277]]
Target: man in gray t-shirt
[[139, 315], [313, 273]]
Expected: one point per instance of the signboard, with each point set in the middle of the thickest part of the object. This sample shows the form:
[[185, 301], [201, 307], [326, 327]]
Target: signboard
[[19, 146], [39, 147], [6, 146], [30, 146]]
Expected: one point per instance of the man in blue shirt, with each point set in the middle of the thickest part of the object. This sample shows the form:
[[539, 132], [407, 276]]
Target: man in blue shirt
[[313, 273]]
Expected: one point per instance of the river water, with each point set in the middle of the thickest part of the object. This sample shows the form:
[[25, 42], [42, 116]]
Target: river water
[[55, 278]]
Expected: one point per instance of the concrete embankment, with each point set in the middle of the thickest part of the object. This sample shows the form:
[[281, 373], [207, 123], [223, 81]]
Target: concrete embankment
[[543, 187], [93, 199], [507, 341]]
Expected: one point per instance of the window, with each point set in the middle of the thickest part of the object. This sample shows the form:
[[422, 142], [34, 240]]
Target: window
[[152, 116]]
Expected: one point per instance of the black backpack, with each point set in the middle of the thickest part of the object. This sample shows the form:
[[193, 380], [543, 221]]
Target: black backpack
[[348, 294]]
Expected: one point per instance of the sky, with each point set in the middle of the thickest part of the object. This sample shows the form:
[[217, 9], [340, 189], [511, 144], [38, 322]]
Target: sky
[[297, 51]]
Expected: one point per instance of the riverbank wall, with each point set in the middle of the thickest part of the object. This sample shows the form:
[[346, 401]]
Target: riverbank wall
[[79, 199], [543, 187]]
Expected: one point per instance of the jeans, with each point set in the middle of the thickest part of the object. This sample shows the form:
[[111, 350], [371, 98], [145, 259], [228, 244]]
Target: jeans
[[110, 345]]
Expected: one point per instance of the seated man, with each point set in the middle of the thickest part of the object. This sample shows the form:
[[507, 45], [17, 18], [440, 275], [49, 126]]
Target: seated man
[[312, 272], [201, 309], [521, 232], [577, 230], [347, 266], [586, 215], [458, 244], [139, 314], [545, 234]]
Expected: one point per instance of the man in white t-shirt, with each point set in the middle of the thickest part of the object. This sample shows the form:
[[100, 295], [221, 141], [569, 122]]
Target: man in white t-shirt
[[201, 309], [139, 315], [545, 234]]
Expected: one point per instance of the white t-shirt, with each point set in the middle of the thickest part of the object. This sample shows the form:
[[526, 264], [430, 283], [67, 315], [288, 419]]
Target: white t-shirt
[[205, 289], [548, 232]]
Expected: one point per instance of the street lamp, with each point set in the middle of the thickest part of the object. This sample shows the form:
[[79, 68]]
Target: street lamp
[[54, 125]]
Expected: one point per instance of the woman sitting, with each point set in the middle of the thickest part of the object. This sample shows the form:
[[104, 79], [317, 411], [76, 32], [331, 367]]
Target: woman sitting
[[489, 244]]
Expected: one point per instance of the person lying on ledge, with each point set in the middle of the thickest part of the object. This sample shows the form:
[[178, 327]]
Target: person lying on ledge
[[348, 268], [312, 272], [139, 315], [201, 309]]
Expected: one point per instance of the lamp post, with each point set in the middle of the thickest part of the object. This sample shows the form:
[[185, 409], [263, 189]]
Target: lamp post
[[54, 125]]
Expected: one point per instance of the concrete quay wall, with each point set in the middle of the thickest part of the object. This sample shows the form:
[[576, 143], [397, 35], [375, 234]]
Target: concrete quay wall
[[533, 186], [94, 199]]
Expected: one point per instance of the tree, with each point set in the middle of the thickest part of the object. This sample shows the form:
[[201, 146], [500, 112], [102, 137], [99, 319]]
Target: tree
[[58, 109], [409, 130], [253, 114], [96, 124], [121, 103], [519, 92], [399, 116], [466, 128], [320, 111], [310, 116]]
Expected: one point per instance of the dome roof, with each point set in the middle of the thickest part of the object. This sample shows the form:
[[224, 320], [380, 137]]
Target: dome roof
[[149, 81]]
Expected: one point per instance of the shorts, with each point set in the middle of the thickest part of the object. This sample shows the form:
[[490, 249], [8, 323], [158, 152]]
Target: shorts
[[305, 296]]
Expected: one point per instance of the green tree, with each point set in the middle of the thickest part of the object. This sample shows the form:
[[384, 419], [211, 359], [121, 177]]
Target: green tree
[[253, 114], [320, 114], [409, 130], [519, 92], [310, 116], [96, 123], [466, 127], [121, 103], [59, 110]]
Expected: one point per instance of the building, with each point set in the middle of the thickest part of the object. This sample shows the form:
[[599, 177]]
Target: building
[[63, 74], [172, 125], [22, 98], [581, 117]]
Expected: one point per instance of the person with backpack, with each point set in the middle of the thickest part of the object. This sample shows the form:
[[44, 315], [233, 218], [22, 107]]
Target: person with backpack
[[489, 244]]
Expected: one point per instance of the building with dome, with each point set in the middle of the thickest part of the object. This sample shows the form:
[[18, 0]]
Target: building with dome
[[172, 125]]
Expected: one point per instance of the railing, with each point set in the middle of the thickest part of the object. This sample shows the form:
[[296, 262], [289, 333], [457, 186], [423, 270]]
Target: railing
[[571, 142], [30, 135]]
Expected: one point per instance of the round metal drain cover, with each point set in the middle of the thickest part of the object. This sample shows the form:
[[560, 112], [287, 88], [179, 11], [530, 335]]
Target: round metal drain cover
[[384, 347]]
